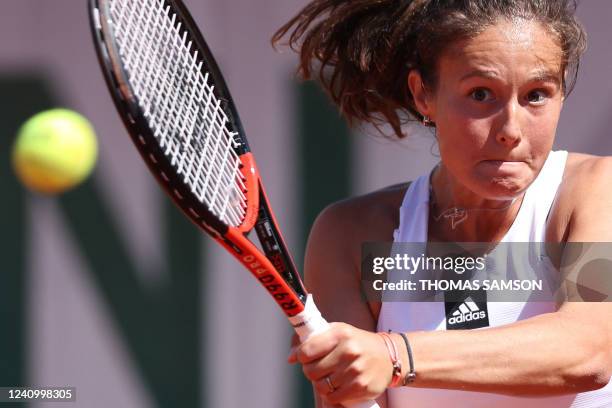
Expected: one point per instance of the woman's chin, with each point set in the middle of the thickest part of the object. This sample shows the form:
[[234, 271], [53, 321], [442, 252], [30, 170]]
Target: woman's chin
[[503, 185]]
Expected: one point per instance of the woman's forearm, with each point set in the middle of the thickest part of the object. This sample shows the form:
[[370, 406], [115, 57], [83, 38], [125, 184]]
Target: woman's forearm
[[545, 355]]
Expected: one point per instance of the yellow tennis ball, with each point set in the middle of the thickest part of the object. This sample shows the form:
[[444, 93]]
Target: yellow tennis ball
[[55, 150]]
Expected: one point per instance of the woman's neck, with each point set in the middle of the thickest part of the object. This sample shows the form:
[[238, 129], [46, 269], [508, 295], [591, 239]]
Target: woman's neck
[[458, 214]]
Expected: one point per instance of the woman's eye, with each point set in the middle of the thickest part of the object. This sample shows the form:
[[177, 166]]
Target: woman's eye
[[481, 95], [537, 96]]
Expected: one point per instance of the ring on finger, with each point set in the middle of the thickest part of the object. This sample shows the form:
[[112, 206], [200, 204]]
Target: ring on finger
[[330, 384]]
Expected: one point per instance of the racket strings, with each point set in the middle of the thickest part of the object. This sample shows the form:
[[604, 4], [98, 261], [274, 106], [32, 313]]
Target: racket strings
[[179, 103], [215, 188]]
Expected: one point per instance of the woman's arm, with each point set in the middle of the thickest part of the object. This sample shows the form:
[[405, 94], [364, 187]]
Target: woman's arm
[[332, 275], [556, 353], [568, 351]]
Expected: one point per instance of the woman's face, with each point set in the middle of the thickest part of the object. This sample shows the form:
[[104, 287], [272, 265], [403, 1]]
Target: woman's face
[[496, 107]]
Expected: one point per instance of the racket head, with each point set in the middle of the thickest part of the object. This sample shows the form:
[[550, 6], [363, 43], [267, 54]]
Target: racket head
[[130, 106], [137, 90]]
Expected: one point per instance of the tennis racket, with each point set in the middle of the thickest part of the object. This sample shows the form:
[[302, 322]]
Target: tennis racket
[[179, 113]]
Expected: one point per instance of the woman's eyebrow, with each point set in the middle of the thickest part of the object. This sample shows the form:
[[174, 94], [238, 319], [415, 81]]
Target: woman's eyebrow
[[481, 73], [541, 75], [546, 75]]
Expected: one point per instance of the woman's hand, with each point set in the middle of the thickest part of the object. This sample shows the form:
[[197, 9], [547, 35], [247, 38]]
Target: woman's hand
[[345, 364]]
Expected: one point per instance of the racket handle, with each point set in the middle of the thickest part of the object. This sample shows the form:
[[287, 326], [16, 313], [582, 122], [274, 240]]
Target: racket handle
[[309, 323]]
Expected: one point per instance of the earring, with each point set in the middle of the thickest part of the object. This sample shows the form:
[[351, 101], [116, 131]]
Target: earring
[[427, 121]]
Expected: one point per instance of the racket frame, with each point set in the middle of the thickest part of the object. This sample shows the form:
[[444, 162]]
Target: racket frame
[[275, 270]]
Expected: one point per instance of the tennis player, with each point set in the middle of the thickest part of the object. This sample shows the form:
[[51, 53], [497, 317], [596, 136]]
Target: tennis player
[[490, 77]]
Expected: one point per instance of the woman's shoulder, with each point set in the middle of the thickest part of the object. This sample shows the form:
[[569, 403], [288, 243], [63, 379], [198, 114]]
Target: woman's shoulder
[[369, 217], [584, 188], [583, 172], [333, 254], [579, 164]]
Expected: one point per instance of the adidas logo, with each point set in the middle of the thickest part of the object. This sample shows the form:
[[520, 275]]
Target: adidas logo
[[466, 312]]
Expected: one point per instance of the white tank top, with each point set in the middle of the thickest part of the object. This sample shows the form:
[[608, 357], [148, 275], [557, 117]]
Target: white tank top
[[528, 226]]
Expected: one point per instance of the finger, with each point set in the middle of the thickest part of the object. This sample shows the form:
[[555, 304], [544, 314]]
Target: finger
[[292, 358], [316, 347], [346, 393], [349, 385], [331, 363], [295, 340], [325, 385], [337, 375], [339, 396]]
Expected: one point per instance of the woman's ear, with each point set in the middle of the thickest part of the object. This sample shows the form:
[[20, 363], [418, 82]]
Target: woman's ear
[[422, 97]]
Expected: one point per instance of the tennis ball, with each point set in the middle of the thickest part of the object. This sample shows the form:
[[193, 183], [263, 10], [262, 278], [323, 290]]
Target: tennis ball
[[55, 150]]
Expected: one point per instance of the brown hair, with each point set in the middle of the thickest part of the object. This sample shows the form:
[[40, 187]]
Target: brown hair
[[362, 50]]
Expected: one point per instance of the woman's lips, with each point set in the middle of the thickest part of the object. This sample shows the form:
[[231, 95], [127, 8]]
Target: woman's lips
[[502, 166], [502, 161]]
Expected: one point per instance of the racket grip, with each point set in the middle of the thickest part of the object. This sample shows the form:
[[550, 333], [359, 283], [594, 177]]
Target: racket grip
[[310, 323]]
